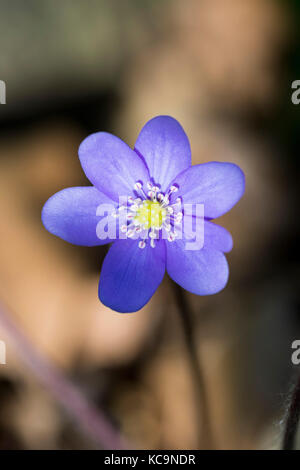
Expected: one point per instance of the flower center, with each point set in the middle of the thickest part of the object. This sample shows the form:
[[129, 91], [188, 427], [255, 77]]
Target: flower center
[[150, 214]]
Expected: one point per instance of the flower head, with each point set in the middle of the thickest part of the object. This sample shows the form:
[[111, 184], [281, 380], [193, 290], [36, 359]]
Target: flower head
[[147, 194]]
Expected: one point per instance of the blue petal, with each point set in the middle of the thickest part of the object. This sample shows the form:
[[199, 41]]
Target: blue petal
[[217, 185], [165, 147], [202, 272], [111, 165], [217, 237], [130, 275], [208, 234], [71, 215]]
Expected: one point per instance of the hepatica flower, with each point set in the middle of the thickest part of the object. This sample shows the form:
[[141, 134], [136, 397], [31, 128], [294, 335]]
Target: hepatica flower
[[147, 193]]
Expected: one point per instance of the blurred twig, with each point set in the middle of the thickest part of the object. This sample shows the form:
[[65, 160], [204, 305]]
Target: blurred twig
[[292, 421], [89, 418], [186, 316]]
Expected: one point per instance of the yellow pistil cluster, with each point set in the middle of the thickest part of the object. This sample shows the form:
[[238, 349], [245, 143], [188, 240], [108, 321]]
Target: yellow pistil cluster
[[151, 214]]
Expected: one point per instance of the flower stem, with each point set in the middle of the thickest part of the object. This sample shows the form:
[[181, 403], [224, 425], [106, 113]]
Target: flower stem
[[186, 315], [89, 419], [293, 419]]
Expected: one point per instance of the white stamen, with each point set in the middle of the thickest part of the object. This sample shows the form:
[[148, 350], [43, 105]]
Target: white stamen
[[152, 234], [130, 233], [134, 208], [137, 186], [142, 244], [171, 237]]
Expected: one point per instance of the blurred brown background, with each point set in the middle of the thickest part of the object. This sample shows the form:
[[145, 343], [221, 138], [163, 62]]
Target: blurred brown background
[[222, 68]]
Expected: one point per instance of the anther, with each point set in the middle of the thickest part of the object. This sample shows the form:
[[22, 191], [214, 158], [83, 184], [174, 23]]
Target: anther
[[130, 233], [171, 237]]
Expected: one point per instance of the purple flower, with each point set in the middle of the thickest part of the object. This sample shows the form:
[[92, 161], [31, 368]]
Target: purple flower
[[158, 183]]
